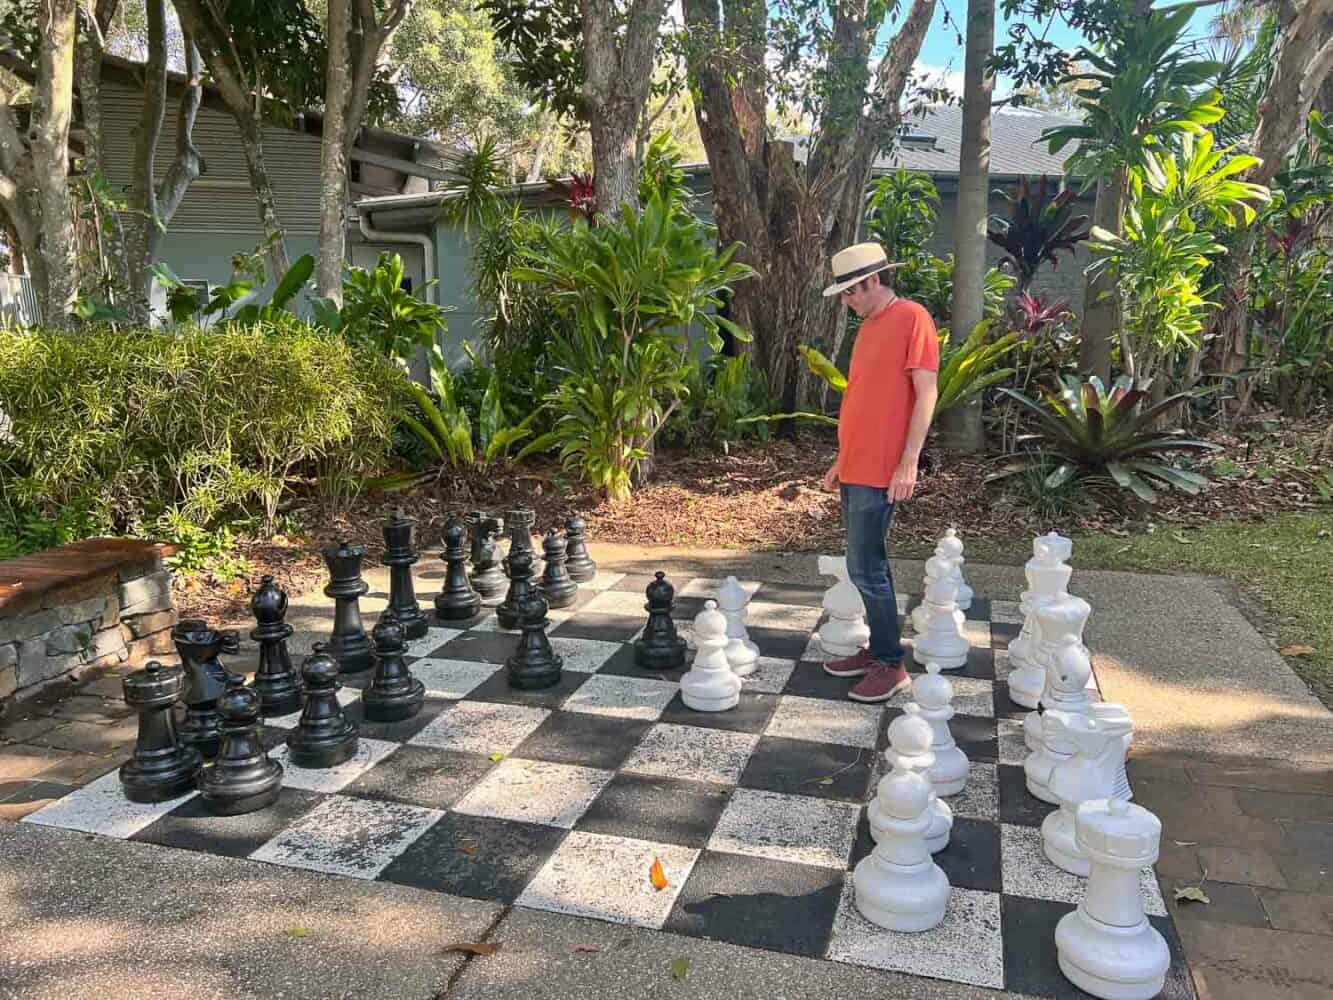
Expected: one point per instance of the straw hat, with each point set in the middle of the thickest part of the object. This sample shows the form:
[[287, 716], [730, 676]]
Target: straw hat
[[857, 262]]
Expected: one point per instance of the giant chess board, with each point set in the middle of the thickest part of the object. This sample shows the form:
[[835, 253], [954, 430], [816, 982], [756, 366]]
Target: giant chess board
[[562, 799]]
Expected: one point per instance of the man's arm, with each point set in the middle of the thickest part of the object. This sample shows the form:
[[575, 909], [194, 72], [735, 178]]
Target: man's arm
[[903, 483]]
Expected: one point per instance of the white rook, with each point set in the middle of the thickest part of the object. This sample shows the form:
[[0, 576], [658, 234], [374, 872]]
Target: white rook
[[1094, 772], [845, 632], [1107, 947]]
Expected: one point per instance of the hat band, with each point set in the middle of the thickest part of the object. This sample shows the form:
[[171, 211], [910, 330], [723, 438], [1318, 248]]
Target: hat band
[[860, 272]]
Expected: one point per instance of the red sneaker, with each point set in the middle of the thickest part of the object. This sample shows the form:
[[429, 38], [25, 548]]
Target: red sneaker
[[881, 683], [851, 666]]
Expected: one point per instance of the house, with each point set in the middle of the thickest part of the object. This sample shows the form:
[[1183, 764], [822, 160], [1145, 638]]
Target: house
[[928, 143]]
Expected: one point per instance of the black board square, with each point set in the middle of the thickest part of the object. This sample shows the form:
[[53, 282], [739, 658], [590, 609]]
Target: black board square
[[400, 731], [819, 770], [498, 689], [421, 776], [661, 810], [193, 827], [598, 741], [1017, 804], [750, 715], [758, 902], [598, 625]]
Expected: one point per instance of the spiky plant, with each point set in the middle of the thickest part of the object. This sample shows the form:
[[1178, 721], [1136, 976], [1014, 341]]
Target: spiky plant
[[1041, 223]]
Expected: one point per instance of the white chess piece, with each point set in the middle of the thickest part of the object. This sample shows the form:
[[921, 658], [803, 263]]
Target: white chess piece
[[932, 696], [1092, 773], [742, 654], [963, 597], [948, 548], [910, 737], [1060, 623], [942, 641], [1107, 947], [898, 886], [710, 685], [1048, 578], [845, 633], [1044, 647]]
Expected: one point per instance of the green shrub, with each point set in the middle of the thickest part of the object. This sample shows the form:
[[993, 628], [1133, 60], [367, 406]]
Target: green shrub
[[203, 425], [726, 398]]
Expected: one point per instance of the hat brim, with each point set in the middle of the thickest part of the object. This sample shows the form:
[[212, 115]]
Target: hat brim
[[839, 286]]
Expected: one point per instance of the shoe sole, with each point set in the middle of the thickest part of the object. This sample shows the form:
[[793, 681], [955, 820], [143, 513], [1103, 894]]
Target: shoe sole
[[845, 673], [902, 685]]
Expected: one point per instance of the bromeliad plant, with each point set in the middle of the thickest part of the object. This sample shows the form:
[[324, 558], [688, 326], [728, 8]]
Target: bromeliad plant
[[1085, 433]]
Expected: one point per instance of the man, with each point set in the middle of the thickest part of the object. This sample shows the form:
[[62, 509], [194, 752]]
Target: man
[[886, 412]]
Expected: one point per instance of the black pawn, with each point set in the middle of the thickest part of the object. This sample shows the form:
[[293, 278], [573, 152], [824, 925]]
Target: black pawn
[[394, 694], [324, 737], [520, 522], [534, 664], [199, 647], [578, 562], [457, 600], [509, 612], [399, 556], [660, 648], [276, 681], [243, 778], [488, 579], [557, 586], [349, 645], [161, 767]]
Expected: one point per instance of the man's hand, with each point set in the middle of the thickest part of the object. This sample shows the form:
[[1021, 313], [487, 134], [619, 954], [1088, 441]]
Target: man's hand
[[831, 478], [903, 483]]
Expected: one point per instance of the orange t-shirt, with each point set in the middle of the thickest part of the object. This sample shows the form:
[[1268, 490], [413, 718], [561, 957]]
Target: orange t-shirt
[[877, 406]]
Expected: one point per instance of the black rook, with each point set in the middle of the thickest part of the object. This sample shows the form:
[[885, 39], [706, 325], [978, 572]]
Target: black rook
[[161, 767]]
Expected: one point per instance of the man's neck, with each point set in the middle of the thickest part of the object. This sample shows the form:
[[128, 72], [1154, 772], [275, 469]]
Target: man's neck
[[887, 298]]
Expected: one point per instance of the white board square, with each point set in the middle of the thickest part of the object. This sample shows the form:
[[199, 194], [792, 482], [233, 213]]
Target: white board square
[[791, 828], [622, 697], [790, 617], [347, 836], [535, 791], [608, 878], [967, 947], [618, 602], [584, 655], [692, 753], [452, 678], [770, 676], [101, 807], [980, 797], [434, 638], [820, 720], [704, 586], [481, 727], [332, 779]]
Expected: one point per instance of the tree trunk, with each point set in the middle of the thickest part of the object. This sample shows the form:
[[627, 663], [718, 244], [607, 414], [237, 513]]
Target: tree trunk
[[333, 154], [252, 147], [143, 142], [1101, 308], [53, 101], [962, 429], [618, 64]]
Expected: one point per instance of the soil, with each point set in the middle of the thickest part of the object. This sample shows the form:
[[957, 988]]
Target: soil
[[768, 497]]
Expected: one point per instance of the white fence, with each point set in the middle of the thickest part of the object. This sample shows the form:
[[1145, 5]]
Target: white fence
[[18, 300]]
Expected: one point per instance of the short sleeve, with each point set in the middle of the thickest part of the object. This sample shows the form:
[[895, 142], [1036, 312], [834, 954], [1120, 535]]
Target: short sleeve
[[923, 345]]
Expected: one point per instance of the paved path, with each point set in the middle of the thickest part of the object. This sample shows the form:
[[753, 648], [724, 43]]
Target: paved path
[[1231, 751]]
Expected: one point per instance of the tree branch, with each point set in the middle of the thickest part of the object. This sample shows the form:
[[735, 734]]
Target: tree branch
[[189, 162]]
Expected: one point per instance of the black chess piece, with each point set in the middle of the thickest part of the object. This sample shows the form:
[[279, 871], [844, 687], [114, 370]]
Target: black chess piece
[[519, 566], [276, 681], [399, 556], [349, 644], [161, 766], [324, 737], [660, 648], [457, 600], [206, 679], [243, 779], [488, 579], [534, 664], [577, 561], [520, 522], [556, 585], [393, 694]]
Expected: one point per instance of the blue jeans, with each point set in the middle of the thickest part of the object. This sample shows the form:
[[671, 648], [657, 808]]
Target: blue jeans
[[867, 514]]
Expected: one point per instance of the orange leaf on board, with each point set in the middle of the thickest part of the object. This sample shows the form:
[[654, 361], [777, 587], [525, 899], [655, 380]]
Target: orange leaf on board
[[658, 875]]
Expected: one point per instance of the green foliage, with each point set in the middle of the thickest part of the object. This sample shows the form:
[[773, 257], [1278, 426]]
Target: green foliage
[[1242, 81], [248, 271], [972, 367], [901, 212], [1039, 226], [1103, 438], [25, 529], [725, 398], [131, 424], [201, 550], [472, 183]]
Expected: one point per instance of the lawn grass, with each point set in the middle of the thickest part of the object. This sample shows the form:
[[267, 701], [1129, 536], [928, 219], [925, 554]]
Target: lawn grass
[[1286, 562]]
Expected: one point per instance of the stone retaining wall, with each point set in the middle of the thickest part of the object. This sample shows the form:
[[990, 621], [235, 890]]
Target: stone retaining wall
[[63, 612]]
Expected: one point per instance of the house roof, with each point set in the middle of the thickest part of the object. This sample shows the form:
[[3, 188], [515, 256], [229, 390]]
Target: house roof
[[932, 140]]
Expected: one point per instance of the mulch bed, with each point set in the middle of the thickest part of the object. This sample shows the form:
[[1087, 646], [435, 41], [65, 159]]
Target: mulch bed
[[769, 497]]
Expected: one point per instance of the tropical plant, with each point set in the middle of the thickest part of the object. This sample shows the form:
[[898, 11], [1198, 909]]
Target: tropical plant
[[1242, 80], [185, 303], [1102, 439], [901, 212], [472, 184], [722, 393], [1038, 227], [1035, 315]]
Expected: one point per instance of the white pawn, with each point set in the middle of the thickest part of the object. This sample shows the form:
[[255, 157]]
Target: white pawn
[[710, 685], [948, 548], [1092, 773], [845, 633], [942, 641], [742, 654], [910, 737], [1047, 578], [898, 886], [963, 596], [932, 695], [1107, 947]]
